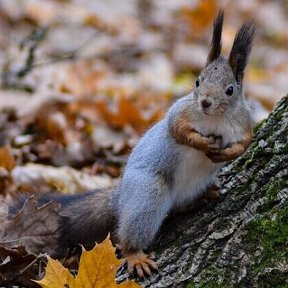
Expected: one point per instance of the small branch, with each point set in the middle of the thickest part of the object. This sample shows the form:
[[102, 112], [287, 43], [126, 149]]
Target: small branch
[[32, 263], [33, 41]]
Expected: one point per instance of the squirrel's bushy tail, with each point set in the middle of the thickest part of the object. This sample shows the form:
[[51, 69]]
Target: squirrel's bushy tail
[[86, 220], [83, 218]]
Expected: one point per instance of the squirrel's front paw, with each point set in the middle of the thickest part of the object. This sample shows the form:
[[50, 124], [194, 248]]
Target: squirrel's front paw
[[217, 156], [213, 149], [200, 142], [140, 263], [213, 144]]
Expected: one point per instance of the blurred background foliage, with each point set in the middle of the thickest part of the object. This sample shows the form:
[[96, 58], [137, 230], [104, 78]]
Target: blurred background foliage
[[143, 50], [86, 78], [81, 80]]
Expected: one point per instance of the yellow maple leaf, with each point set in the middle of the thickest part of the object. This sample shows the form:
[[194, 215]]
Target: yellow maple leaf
[[97, 269], [56, 275]]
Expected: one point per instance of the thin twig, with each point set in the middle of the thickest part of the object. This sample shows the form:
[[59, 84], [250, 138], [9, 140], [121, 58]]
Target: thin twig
[[32, 263], [34, 40]]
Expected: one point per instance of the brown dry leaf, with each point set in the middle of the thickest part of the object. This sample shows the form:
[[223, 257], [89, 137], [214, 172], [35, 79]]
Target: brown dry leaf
[[86, 109], [83, 79], [200, 16], [127, 114], [97, 269], [114, 119], [53, 121], [33, 227], [7, 160], [7, 163], [56, 126], [132, 114], [12, 264], [62, 134]]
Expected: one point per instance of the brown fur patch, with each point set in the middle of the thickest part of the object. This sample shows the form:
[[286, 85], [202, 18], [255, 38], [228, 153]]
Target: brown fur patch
[[184, 133]]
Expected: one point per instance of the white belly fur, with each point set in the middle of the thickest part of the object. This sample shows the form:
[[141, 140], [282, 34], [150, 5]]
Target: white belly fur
[[193, 175], [195, 172]]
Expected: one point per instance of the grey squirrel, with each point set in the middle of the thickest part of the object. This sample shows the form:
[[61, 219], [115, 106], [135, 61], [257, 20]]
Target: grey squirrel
[[174, 163]]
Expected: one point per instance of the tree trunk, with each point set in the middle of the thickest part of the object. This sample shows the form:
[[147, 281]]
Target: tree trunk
[[241, 241]]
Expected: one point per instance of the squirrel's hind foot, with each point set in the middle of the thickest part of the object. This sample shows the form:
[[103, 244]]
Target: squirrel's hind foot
[[141, 264], [213, 193]]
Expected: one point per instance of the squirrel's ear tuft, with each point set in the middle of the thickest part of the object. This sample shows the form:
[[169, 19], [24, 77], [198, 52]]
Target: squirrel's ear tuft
[[216, 43], [241, 49]]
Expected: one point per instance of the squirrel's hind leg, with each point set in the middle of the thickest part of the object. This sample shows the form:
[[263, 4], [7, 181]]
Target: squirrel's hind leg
[[140, 220], [213, 192]]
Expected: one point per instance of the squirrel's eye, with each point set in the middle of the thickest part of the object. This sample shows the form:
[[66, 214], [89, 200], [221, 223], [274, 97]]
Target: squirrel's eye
[[229, 90], [197, 82]]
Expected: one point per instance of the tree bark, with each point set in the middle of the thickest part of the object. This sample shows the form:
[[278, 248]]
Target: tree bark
[[241, 241]]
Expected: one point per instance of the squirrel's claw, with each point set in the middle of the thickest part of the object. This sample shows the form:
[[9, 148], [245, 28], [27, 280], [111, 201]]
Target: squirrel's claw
[[217, 157], [216, 154], [212, 194], [140, 263], [213, 149]]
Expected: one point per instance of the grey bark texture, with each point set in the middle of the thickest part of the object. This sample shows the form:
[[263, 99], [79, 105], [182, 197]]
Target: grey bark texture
[[242, 240]]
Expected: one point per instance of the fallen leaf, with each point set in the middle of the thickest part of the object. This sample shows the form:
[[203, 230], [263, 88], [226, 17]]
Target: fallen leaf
[[65, 179], [52, 121], [33, 227], [56, 275], [131, 114], [97, 268], [127, 114], [83, 79], [17, 267], [5, 180], [7, 160]]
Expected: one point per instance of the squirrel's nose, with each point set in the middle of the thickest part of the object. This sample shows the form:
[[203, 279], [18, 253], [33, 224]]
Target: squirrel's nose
[[205, 103]]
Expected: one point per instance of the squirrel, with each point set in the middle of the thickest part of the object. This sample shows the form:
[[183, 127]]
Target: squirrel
[[174, 163]]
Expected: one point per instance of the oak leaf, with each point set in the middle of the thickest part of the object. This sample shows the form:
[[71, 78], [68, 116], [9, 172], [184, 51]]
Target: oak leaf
[[97, 269]]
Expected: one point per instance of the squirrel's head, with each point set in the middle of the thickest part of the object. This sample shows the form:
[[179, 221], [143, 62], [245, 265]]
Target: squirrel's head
[[220, 84]]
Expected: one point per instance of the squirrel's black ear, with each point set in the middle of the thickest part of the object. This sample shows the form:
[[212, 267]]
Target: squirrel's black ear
[[216, 43], [241, 49]]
